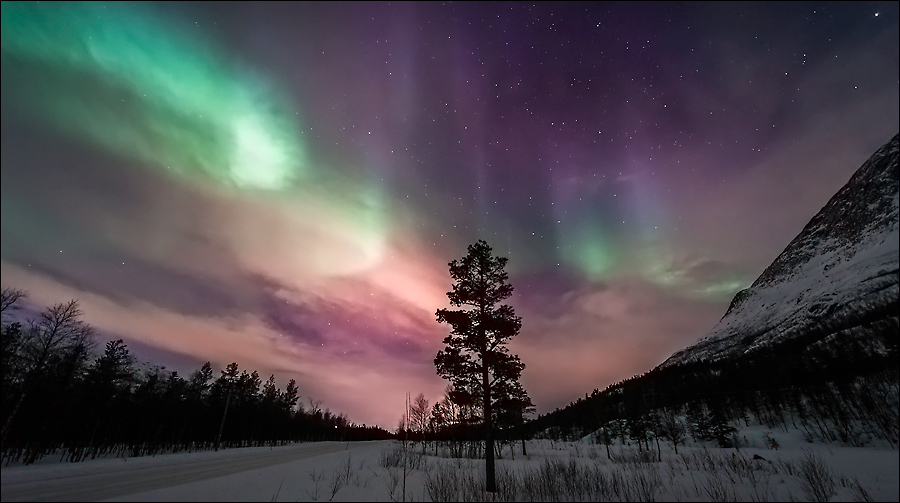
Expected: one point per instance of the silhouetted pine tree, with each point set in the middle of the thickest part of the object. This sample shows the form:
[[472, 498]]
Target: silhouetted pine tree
[[476, 358]]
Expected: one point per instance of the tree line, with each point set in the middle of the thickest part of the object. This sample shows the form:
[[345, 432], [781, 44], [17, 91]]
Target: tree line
[[835, 383], [61, 395]]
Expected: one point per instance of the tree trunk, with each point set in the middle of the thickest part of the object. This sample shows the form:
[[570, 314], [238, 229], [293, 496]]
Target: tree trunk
[[489, 425], [9, 420], [222, 424]]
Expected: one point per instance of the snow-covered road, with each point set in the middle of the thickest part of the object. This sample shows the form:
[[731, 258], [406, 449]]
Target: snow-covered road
[[113, 478]]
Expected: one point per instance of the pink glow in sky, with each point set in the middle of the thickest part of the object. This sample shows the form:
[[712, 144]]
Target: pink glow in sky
[[283, 185]]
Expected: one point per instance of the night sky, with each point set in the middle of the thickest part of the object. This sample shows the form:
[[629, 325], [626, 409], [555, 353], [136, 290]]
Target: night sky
[[283, 185]]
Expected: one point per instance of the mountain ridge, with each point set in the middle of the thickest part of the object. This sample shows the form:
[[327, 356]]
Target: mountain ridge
[[839, 272]]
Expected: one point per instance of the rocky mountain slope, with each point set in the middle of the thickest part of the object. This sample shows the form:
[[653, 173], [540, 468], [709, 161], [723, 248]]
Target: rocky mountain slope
[[838, 277]]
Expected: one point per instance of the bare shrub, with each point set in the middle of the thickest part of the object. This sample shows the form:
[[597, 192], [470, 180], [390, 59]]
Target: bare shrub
[[816, 478], [788, 467], [317, 478], [507, 485], [719, 489], [530, 485], [473, 486], [340, 477], [633, 457], [415, 459], [642, 484], [442, 484], [335, 483], [859, 492], [390, 458], [761, 490], [392, 483], [275, 496]]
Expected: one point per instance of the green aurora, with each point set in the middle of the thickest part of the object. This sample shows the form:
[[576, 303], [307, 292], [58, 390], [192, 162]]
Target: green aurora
[[115, 76]]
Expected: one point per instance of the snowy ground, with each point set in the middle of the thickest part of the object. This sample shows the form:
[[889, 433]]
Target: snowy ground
[[561, 471]]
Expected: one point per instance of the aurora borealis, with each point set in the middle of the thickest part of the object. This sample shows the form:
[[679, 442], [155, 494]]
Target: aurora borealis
[[111, 76], [283, 185]]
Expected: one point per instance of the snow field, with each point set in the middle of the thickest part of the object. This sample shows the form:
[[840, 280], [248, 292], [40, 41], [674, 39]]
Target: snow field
[[568, 471], [552, 471]]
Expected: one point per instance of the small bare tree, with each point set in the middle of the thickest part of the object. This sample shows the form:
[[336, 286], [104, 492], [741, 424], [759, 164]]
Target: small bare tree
[[671, 428], [418, 415]]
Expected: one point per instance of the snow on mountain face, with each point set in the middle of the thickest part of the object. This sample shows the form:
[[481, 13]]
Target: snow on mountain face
[[840, 271]]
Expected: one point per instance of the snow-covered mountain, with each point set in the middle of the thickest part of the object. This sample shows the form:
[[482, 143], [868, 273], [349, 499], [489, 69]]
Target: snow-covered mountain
[[838, 277]]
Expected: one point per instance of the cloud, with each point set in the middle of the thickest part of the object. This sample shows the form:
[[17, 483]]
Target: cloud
[[609, 332], [364, 384], [349, 316]]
